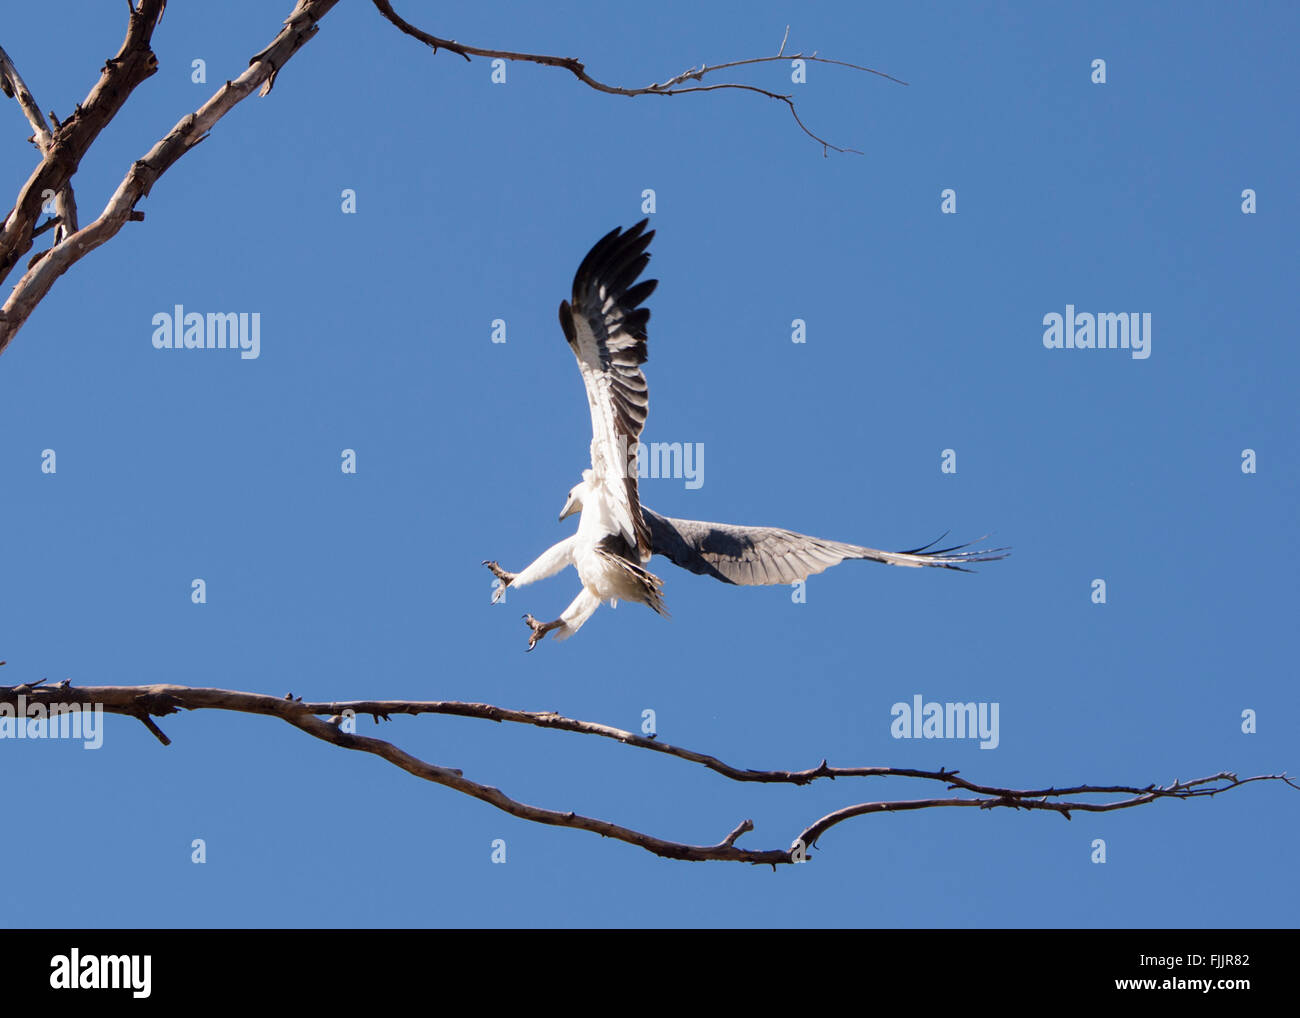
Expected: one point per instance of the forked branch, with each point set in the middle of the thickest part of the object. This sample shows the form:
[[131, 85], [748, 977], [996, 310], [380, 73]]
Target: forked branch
[[193, 128], [333, 723], [671, 86]]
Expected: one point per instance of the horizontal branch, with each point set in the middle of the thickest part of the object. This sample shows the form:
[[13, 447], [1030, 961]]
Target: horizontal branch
[[146, 702], [671, 86], [142, 702]]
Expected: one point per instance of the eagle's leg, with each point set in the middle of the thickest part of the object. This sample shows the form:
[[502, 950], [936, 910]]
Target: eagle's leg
[[505, 577], [540, 629], [582, 608], [548, 563]]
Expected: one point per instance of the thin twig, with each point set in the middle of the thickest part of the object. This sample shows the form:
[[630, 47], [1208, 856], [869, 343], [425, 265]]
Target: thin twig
[[668, 87]]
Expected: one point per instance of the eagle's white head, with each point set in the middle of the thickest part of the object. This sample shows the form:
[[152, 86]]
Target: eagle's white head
[[576, 495]]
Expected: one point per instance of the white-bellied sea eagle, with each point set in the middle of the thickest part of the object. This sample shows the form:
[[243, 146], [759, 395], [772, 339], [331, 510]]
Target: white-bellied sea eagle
[[605, 325]]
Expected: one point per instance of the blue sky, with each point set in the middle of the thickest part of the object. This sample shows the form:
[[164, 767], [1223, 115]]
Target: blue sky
[[475, 201]]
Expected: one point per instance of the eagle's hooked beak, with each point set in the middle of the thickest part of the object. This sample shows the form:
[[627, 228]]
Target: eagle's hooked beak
[[573, 505]]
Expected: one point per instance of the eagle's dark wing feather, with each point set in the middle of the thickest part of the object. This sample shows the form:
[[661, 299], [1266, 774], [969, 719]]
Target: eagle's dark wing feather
[[606, 327]]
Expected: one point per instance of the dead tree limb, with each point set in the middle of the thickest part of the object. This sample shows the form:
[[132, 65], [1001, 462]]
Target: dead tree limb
[[41, 274], [671, 86], [146, 702], [70, 139], [65, 205]]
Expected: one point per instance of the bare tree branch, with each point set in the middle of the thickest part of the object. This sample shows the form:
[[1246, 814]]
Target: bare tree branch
[[12, 84], [71, 138], [146, 702], [298, 28], [65, 205], [672, 86]]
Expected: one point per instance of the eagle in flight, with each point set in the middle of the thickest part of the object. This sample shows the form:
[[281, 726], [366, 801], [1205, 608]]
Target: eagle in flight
[[605, 325]]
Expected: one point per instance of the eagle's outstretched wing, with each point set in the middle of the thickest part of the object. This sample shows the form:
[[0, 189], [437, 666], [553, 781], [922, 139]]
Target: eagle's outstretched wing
[[756, 555], [606, 327]]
